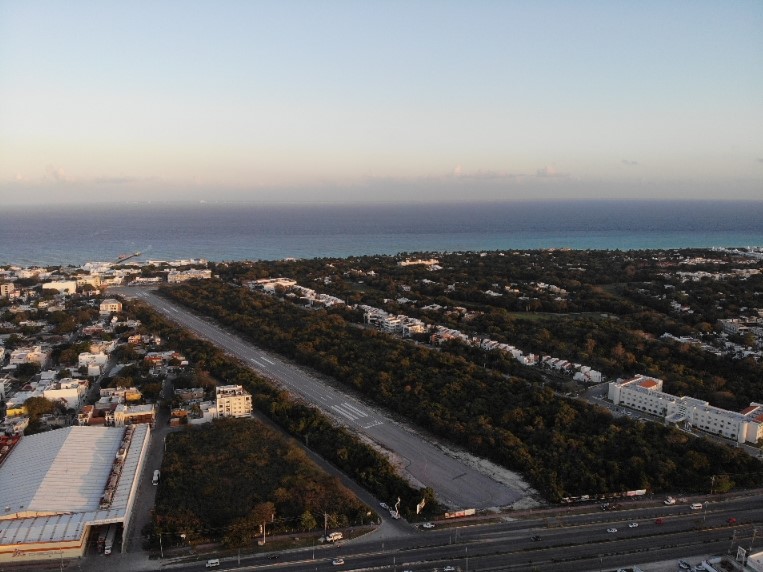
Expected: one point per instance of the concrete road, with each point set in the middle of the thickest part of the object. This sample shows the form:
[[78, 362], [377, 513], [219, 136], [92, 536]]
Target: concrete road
[[456, 484]]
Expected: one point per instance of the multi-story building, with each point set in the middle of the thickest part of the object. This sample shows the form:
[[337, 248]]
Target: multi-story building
[[645, 394], [233, 401], [109, 306]]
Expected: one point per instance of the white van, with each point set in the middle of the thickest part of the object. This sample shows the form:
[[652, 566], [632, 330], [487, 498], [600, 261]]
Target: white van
[[696, 506], [213, 563], [155, 479]]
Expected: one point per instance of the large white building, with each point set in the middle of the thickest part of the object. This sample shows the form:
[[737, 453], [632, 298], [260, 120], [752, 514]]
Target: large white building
[[645, 394], [233, 401], [57, 487]]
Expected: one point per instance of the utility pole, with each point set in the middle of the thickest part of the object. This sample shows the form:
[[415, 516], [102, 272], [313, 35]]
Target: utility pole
[[325, 525], [161, 548], [263, 532], [712, 484]]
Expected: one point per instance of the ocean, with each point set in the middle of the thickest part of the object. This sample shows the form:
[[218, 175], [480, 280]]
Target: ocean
[[72, 235]]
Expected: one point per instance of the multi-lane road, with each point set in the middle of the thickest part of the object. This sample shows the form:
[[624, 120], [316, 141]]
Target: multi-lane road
[[456, 483], [576, 542]]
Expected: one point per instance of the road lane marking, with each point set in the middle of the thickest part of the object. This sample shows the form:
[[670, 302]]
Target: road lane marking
[[343, 413], [355, 410], [258, 363], [267, 360]]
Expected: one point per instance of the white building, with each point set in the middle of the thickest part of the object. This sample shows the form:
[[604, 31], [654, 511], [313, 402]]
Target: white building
[[233, 401], [33, 354], [86, 359], [109, 306], [63, 286], [173, 276], [68, 391], [645, 394]]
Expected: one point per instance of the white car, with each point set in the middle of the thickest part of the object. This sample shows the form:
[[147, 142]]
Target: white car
[[449, 569], [611, 530], [337, 561], [427, 525], [633, 525]]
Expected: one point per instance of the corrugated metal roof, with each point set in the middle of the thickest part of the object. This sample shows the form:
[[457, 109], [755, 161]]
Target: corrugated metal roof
[[66, 472]]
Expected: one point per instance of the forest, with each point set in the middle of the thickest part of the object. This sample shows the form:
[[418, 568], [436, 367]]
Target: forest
[[225, 479], [364, 464], [564, 447]]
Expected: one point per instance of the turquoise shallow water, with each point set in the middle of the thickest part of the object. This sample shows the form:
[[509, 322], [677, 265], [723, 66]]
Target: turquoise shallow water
[[73, 235]]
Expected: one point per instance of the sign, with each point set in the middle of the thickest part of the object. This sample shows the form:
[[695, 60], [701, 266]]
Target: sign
[[420, 506]]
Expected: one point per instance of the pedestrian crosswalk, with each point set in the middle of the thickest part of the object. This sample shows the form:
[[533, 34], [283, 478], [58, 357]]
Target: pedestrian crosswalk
[[353, 413]]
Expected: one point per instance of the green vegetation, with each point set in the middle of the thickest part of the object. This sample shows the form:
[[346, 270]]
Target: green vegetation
[[224, 480], [563, 446], [358, 460]]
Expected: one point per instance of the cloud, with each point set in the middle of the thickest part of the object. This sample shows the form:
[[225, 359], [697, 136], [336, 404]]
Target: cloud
[[57, 174], [117, 180], [629, 163]]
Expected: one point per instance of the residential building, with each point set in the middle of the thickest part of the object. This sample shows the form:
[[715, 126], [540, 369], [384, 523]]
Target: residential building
[[6, 289], [174, 276], [63, 286], [645, 393], [109, 306], [233, 401]]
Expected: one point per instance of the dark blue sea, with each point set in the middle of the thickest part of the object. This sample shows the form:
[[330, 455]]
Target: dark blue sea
[[76, 234]]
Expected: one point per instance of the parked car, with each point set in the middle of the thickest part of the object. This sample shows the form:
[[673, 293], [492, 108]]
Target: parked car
[[384, 505], [669, 501], [684, 565]]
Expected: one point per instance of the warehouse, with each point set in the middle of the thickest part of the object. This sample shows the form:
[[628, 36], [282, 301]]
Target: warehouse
[[57, 487]]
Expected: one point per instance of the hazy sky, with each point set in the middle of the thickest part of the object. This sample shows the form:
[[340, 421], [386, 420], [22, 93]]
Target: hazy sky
[[380, 100]]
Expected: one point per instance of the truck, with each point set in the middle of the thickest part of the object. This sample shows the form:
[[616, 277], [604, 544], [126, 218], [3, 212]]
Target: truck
[[109, 543], [334, 536], [155, 480]]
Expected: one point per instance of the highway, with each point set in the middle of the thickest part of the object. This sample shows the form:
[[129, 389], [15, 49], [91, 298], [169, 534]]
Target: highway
[[456, 483], [577, 542]]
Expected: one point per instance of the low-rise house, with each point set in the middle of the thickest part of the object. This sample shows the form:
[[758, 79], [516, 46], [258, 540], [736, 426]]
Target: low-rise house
[[87, 359], [70, 392], [132, 414], [30, 354]]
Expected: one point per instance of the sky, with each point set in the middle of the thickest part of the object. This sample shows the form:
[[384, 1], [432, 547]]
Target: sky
[[379, 101]]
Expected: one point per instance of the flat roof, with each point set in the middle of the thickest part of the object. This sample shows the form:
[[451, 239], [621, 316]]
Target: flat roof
[[60, 477]]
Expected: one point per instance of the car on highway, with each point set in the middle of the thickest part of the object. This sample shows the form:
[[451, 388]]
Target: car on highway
[[732, 520], [384, 505], [659, 521], [633, 525], [449, 569], [427, 525], [337, 561], [536, 538], [669, 501], [611, 530], [696, 506], [684, 565]]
